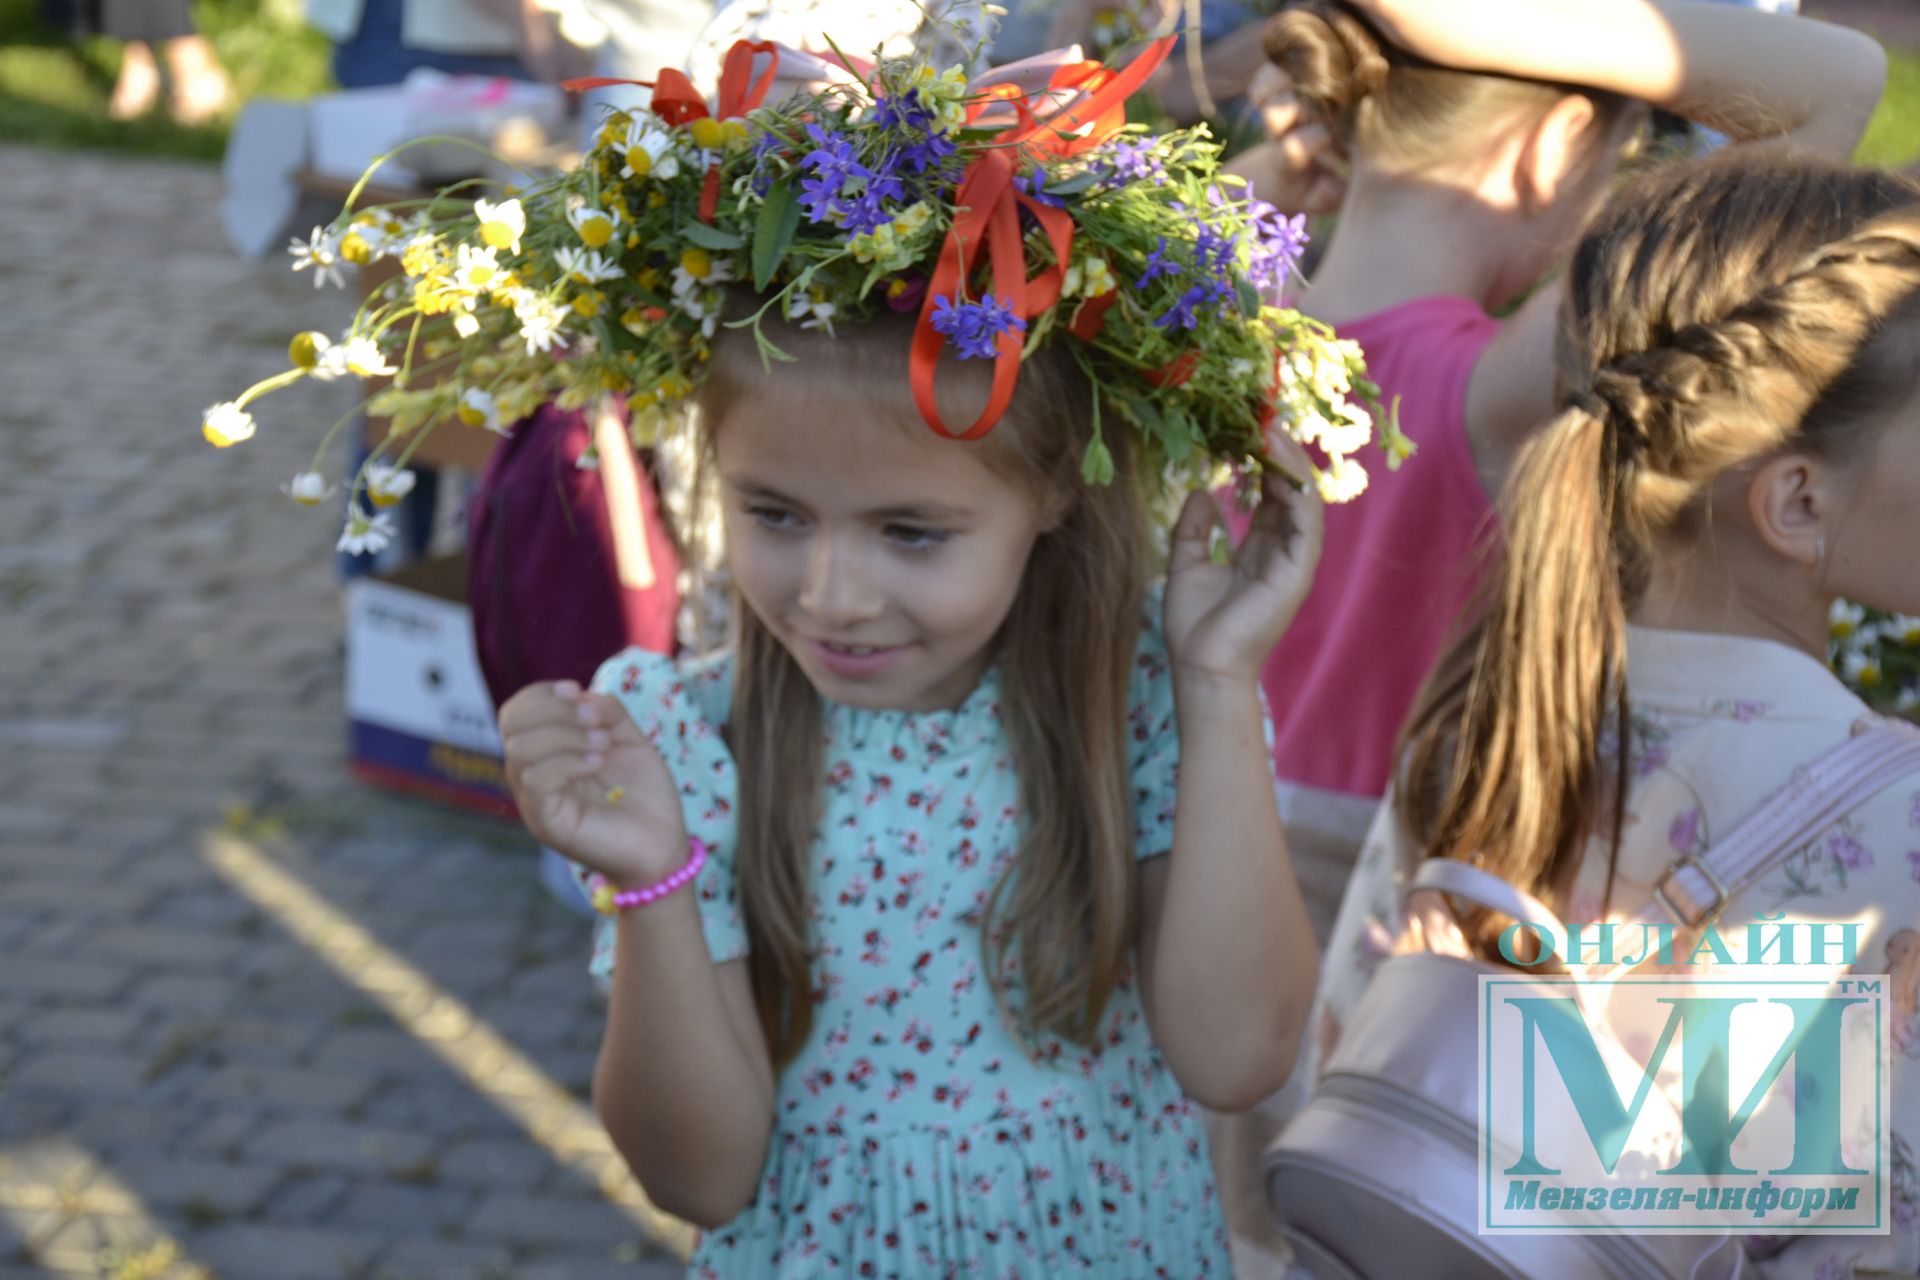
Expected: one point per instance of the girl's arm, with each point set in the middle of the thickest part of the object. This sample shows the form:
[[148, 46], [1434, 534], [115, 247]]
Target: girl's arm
[[684, 1084], [1760, 78], [1748, 74], [1227, 954]]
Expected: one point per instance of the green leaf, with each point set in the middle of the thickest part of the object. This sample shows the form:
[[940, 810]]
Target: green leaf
[[779, 219], [712, 237], [1096, 464], [1073, 186], [1249, 299]]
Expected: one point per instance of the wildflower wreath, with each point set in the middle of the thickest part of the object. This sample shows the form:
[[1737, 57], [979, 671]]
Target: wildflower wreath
[[1004, 220], [1878, 655]]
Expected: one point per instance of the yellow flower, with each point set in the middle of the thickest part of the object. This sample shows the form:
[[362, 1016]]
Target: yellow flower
[[634, 321], [697, 263], [913, 219], [306, 348], [595, 227], [708, 134], [502, 224], [421, 256], [355, 249], [588, 302], [674, 386]]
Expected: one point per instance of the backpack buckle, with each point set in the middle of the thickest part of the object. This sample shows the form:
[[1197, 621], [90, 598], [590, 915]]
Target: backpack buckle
[[1709, 913]]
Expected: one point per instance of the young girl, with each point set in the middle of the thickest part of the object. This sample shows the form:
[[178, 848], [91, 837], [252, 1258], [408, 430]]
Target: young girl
[[1479, 138], [1736, 445], [987, 877]]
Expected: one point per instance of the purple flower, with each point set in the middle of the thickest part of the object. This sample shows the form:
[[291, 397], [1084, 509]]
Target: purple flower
[[1132, 161], [973, 328], [928, 153], [1278, 243], [1032, 184], [904, 111], [868, 210], [1182, 314], [1213, 251], [1848, 852], [1157, 266], [832, 165]]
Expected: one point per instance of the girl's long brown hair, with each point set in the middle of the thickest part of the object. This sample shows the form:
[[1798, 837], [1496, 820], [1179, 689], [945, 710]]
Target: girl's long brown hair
[[1064, 911], [1719, 313]]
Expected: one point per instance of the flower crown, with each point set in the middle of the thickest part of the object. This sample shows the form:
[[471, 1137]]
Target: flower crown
[[1005, 220]]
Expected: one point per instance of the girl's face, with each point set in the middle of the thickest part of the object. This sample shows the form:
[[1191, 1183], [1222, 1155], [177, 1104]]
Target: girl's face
[[883, 557], [1870, 551]]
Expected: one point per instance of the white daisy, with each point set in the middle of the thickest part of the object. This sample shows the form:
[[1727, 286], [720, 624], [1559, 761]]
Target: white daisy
[[475, 269], [586, 266], [365, 534], [540, 322], [477, 409], [649, 152], [502, 224], [594, 226], [362, 357], [812, 313], [226, 424], [309, 489], [1845, 619], [1860, 668], [321, 253], [465, 322], [386, 485]]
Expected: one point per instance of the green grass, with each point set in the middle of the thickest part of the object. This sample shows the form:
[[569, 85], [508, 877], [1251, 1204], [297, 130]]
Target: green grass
[[53, 92], [1893, 138]]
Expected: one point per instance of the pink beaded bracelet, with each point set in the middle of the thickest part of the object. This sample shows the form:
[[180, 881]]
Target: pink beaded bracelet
[[607, 901]]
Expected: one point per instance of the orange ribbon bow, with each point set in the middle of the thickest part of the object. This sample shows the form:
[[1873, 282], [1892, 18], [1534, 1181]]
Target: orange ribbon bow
[[987, 224], [677, 102]]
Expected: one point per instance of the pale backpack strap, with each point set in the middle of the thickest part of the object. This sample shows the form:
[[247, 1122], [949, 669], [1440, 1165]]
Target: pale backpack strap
[[1460, 880], [1694, 890]]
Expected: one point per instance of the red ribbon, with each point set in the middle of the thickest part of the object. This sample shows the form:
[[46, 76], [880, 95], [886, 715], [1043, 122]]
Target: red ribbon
[[987, 223], [677, 102]]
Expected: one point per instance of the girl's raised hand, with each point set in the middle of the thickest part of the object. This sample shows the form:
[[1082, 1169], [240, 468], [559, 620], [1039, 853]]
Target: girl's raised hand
[[1223, 619], [590, 785]]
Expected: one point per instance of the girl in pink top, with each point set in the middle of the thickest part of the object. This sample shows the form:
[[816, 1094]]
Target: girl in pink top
[[1479, 138]]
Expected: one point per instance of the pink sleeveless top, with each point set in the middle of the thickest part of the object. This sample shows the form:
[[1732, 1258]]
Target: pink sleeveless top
[[1398, 565]]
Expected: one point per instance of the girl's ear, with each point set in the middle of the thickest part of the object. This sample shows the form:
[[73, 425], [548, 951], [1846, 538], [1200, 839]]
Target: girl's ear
[[1057, 506], [1552, 152], [1791, 500]]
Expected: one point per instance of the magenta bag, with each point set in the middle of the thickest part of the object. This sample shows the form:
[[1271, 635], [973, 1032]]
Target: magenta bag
[[543, 575]]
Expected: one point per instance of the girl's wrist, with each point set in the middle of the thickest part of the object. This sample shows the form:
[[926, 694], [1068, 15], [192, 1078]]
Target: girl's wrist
[[612, 895]]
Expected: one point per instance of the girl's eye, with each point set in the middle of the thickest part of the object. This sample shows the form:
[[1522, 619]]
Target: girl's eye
[[914, 538], [775, 518]]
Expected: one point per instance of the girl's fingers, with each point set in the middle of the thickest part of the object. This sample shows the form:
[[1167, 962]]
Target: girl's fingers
[[554, 773], [535, 706], [1193, 531], [530, 746]]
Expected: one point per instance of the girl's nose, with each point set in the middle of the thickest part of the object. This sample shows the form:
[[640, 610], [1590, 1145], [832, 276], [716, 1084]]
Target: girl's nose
[[837, 591]]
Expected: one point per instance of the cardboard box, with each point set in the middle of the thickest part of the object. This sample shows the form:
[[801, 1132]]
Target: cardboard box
[[419, 717]]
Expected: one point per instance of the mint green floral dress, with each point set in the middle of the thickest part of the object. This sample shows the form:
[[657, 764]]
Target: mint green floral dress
[[916, 1135]]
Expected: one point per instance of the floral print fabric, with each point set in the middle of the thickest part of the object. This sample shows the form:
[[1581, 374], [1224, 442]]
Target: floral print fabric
[[917, 1134]]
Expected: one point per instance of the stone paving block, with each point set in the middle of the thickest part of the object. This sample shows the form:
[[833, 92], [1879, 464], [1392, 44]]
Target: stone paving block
[[330, 1145], [500, 1163], [289, 1089], [65, 979], [82, 1073], [181, 994], [624, 1265], [437, 1260], [305, 1199], [98, 1028], [195, 950], [400, 1209], [282, 1253], [579, 1224], [388, 1053], [175, 1182]]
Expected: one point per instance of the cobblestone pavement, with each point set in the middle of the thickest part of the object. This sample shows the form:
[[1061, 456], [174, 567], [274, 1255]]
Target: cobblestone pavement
[[255, 1019]]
